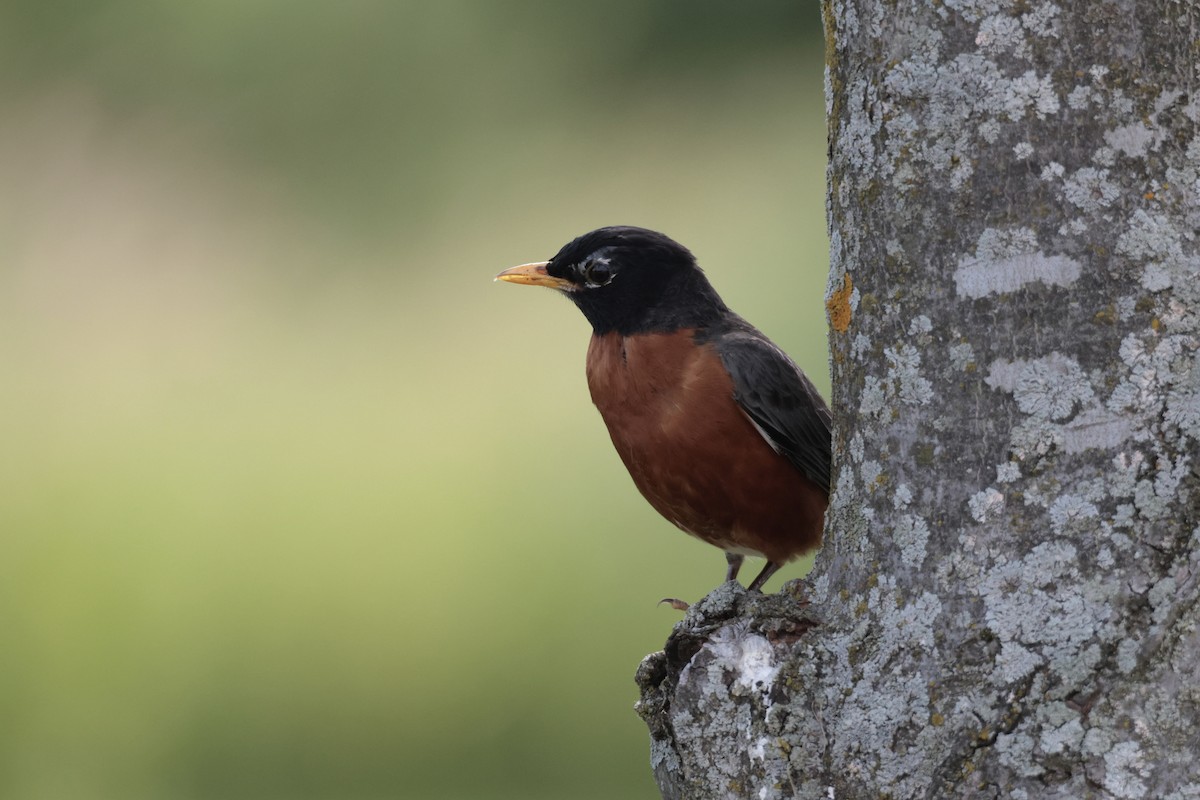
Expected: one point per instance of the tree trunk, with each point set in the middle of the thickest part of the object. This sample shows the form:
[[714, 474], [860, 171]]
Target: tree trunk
[[1006, 602]]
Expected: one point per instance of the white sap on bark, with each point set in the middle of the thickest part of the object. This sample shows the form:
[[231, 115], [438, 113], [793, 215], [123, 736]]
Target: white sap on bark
[[1006, 605]]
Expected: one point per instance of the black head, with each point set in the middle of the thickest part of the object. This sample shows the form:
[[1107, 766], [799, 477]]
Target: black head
[[629, 280]]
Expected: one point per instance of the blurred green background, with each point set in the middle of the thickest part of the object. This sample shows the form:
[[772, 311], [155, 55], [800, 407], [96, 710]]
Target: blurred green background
[[294, 501]]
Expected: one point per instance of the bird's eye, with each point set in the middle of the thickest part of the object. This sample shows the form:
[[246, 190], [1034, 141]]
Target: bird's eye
[[597, 273]]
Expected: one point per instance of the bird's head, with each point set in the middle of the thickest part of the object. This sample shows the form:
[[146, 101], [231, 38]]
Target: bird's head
[[629, 280]]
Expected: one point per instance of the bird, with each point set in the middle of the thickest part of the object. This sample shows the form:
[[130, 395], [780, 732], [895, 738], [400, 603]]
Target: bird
[[721, 431]]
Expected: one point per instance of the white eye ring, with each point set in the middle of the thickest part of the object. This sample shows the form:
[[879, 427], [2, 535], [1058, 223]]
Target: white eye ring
[[597, 273]]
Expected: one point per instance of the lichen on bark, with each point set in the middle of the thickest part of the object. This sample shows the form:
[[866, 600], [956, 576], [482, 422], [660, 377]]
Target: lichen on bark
[[1007, 601]]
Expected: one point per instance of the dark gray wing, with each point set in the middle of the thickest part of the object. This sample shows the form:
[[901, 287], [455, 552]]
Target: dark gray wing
[[780, 400]]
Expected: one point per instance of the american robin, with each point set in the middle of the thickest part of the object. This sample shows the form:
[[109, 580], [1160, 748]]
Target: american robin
[[719, 429]]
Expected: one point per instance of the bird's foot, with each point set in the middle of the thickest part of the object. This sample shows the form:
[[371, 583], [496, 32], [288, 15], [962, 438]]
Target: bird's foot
[[770, 569], [676, 603], [734, 560]]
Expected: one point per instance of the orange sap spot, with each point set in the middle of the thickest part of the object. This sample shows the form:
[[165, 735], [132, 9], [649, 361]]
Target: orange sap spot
[[838, 305]]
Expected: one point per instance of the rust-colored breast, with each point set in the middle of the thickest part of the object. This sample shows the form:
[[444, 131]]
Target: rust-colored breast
[[693, 453]]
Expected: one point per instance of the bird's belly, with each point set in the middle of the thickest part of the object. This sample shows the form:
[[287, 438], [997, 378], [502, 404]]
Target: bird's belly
[[693, 453]]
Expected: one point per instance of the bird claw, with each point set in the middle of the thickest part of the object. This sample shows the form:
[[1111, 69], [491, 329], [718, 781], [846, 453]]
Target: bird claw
[[676, 603]]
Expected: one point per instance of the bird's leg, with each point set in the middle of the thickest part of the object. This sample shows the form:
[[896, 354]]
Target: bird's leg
[[770, 569], [735, 563]]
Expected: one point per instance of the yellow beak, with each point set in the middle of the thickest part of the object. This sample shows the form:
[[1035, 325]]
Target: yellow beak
[[534, 275]]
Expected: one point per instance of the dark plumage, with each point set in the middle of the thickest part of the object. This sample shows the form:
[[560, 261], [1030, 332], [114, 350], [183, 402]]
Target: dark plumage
[[720, 430]]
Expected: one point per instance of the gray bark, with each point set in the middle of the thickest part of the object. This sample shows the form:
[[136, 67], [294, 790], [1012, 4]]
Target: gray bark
[[1006, 605]]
